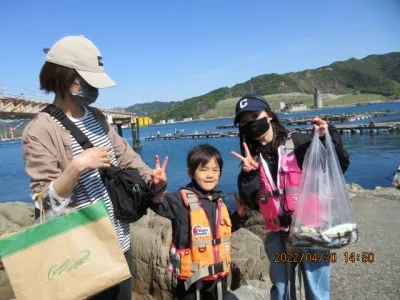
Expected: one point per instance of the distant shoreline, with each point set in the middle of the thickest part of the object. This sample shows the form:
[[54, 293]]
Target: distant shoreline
[[314, 109]]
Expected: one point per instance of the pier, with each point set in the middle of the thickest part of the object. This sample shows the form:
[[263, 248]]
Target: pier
[[389, 127], [26, 107], [379, 128], [338, 118], [332, 118], [193, 136]]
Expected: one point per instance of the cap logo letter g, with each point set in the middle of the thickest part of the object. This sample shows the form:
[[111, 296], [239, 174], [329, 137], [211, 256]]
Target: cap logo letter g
[[243, 103]]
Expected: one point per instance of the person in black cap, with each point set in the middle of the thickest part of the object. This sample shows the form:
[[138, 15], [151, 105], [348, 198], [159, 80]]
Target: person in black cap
[[272, 159]]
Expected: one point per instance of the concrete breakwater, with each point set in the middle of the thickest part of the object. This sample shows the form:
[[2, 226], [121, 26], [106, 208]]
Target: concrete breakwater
[[205, 135], [340, 118], [389, 127], [376, 213], [332, 118]]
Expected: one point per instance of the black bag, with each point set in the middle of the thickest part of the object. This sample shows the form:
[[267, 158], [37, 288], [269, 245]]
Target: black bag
[[128, 192]]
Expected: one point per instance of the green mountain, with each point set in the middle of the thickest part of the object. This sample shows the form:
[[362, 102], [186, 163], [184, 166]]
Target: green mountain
[[374, 74], [147, 108]]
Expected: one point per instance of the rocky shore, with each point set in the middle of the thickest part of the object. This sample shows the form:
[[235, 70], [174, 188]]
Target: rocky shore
[[376, 215]]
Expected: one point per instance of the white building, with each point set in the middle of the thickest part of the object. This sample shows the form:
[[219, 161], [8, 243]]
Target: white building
[[171, 121], [297, 107], [109, 119], [187, 119], [294, 107]]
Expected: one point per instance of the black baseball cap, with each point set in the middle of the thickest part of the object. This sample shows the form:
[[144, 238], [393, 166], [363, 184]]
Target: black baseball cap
[[250, 103]]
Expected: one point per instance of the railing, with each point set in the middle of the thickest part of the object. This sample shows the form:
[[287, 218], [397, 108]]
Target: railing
[[28, 95], [37, 97]]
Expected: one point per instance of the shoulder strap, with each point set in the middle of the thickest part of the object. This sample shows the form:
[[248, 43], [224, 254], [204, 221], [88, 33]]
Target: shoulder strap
[[189, 198], [289, 145], [59, 114]]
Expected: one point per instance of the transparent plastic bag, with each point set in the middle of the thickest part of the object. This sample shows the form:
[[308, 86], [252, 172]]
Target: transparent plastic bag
[[323, 216]]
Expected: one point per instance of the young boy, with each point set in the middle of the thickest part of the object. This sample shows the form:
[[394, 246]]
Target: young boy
[[201, 228]]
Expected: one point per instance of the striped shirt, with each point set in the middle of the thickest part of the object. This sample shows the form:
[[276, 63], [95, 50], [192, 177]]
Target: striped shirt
[[90, 187]]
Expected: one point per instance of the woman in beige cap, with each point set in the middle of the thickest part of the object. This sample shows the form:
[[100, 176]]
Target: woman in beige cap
[[63, 174]]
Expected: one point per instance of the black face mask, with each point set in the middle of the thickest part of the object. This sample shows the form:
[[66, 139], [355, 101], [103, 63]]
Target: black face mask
[[86, 94], [256, 129]]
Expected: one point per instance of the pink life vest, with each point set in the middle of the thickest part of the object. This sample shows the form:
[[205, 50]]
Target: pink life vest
[[278, 199]]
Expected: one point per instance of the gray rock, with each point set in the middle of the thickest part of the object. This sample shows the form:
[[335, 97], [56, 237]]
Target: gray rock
[[248, 292], [6, 291], [386, 193], [136, 296], [6, 225], [14, 215], [249, 260], [255, 224], [151, 240], [354, 188]]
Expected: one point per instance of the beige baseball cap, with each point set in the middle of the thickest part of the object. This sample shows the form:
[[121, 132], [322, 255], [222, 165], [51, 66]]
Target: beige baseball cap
[[79, 53]]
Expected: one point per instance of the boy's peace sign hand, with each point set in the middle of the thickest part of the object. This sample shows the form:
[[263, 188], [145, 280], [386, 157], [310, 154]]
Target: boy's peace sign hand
[[158, 175], [249, 164]]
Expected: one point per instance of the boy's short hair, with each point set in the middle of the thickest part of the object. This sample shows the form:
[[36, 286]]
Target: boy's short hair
[[57, 79], [201, 155]]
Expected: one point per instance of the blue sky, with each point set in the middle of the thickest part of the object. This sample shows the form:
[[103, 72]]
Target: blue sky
[[173, 50]]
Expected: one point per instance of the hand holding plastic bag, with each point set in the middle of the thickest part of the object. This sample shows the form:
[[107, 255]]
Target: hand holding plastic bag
[[323, 216]]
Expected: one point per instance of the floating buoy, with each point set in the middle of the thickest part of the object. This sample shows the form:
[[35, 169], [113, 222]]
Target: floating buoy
[[396, 179], [11, 131]]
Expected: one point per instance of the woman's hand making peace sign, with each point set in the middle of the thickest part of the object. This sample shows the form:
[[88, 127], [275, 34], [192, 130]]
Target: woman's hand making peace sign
[[249, 164], [158, 175]]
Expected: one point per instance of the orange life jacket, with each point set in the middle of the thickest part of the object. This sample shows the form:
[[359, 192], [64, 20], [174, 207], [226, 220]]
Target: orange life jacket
[[209, 254]]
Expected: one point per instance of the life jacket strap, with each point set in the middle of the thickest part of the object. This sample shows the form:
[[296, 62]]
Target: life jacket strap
[[219, 290], [191, 200], [199, 286], [211, 242], [191, 197], [279, 192], [206, 271]]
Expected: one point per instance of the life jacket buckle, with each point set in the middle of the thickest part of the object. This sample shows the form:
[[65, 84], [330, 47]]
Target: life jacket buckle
[[223, 222], [275, 193], [202, 248], [263, 200], [216, 241]]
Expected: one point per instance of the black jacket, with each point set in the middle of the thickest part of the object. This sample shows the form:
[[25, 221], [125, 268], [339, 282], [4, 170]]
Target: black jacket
[[248, 182], [173, 208]]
